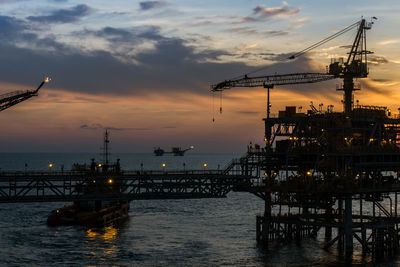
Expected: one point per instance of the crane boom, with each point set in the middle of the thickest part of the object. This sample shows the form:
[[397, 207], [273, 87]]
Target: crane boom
[[10, 99], [271, 80]]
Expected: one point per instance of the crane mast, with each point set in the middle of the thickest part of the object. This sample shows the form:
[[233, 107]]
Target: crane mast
[[354, 67]]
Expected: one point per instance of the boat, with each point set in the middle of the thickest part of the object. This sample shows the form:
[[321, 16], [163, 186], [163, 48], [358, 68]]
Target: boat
[[84, 213], [95, 211]]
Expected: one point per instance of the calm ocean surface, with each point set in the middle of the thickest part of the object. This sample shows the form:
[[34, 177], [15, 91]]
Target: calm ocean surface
[[200, 232]]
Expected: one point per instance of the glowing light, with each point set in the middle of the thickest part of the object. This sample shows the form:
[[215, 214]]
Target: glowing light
[[91, 233], [51, 165], [164, 165], [309, 173], [205, 165], [94, 181], [99, 165], [47, 79], [110, 233], [371, 139], [110, 181], [191, 147]]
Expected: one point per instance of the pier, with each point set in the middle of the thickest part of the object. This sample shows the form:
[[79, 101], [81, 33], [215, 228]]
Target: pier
[[73, 186]]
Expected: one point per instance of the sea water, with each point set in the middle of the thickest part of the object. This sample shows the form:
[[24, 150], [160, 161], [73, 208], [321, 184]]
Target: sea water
[[185, 232]]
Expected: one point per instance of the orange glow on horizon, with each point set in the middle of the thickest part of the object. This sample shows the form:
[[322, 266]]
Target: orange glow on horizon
[[174, 119]]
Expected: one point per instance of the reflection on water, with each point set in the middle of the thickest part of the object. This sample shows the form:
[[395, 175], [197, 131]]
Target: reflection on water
[[106, 234], [103, 243]]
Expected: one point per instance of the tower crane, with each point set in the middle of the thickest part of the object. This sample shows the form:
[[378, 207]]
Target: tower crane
[[10, 99], [354, 67]]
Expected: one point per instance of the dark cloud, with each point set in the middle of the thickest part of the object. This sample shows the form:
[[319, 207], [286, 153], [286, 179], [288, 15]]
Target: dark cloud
[[118, 37], [63, 15], [97, 126], [377, 60], [172, 65], [382, 80], [252, 31], [11, 28], [244, 112], [147, 5], [370, 87], [262, 12], [94, 126]]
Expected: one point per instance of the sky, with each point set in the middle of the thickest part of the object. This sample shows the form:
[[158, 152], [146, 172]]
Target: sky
[[143, 69]]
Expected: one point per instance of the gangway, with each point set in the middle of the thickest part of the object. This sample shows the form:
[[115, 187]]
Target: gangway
[[74, 186]]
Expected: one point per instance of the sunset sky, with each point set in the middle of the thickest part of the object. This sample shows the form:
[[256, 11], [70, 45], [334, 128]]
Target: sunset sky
[[143, 69]]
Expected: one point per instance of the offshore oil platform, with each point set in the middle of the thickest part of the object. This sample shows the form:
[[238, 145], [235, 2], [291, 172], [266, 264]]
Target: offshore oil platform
[[176, 151], [336, 172]]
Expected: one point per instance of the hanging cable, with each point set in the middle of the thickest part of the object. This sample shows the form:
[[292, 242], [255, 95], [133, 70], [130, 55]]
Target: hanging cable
[[213, 107], [325, 40], [311, 47], [220, 102]]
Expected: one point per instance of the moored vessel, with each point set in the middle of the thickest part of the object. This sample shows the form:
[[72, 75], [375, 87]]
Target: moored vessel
[[92, 210]]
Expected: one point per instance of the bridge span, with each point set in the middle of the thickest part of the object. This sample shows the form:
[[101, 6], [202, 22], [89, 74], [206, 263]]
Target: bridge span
[[135, 185]]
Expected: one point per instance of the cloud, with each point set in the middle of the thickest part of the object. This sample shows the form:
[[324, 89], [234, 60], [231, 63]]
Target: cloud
[[375, 87], [171, 65], [147, 5], [97, 126], [382, 80], [252, 31], [389, 42], [12, 28], [63, 15], [261, 12], [94, 126], [377, 60], [301, 22], [244, 112]]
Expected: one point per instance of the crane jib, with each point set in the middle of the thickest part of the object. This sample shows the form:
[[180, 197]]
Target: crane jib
[[271, 80]]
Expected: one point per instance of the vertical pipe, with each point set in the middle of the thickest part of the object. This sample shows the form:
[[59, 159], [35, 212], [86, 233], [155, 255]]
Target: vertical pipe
[[328, 229], [361, 210], [364, 239], [348, 225]]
